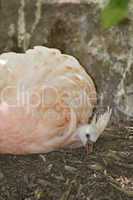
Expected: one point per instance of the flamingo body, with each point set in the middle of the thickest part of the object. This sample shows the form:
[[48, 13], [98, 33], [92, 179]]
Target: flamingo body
[[44, 97]]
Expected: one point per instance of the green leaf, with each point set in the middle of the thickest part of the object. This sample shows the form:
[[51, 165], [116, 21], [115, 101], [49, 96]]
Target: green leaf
[[114, 12]]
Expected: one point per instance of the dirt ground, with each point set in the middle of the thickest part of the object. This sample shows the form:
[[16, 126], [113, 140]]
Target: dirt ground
[[106, 174]]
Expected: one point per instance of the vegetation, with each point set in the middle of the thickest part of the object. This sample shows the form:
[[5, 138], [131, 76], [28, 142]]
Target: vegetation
[[114, 12]]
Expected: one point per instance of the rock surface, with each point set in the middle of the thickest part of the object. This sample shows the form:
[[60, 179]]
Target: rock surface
[[75, 29]]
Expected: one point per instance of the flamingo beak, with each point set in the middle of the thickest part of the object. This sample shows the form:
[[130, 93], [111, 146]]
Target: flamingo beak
[[89, 147]]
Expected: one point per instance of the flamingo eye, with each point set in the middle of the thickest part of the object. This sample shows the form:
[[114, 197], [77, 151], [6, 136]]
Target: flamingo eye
[[88, 135]]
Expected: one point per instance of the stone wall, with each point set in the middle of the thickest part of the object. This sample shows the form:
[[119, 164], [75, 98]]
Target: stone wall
[[75, 29]]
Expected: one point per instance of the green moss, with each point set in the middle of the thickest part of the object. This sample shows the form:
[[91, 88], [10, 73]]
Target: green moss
[[114, 12]]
